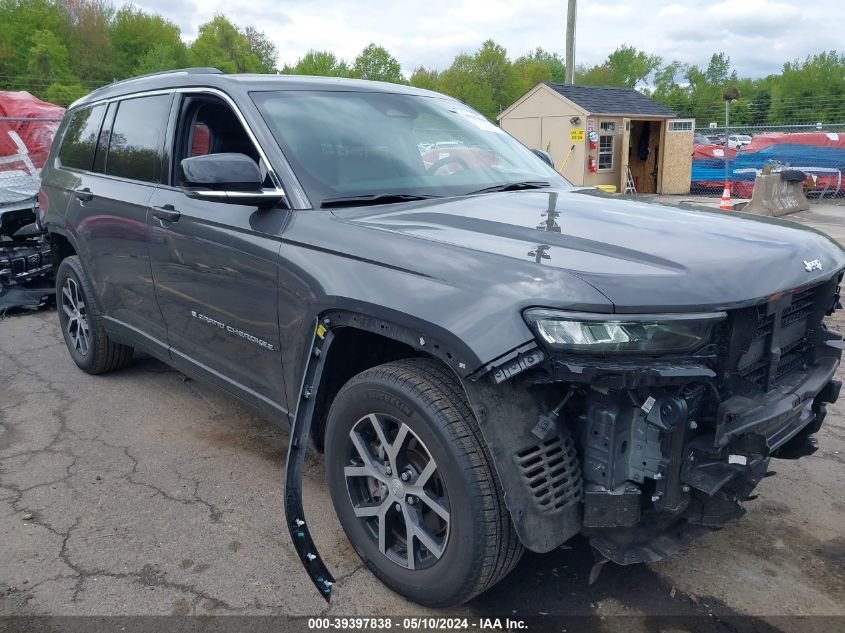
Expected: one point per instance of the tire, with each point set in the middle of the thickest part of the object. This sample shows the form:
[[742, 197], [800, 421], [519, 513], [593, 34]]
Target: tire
[[477, 546], [81, 324]]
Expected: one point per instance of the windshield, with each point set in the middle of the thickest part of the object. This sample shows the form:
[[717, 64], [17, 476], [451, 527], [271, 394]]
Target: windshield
[[359, 144]]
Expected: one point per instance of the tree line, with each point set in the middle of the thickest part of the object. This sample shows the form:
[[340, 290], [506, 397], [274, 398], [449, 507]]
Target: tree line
[[61, 49]]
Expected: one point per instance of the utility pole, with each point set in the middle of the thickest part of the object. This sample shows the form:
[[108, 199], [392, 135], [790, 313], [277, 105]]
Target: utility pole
[[731, 94], [570, 43], [727, 134]]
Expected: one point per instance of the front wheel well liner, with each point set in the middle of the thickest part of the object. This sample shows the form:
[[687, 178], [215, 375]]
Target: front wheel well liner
[[352, 351], [60, 248]]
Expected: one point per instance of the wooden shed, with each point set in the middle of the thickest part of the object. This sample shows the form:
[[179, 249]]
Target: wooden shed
[[595, 134]]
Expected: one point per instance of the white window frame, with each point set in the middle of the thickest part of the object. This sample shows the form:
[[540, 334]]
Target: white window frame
[[682, 125], [600, 153]]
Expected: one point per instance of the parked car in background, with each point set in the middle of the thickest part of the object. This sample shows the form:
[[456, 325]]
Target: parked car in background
[[700, 139], [491, 359], [738, 141]]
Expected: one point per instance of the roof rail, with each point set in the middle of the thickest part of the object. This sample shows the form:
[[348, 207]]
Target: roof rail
[[178, 71]]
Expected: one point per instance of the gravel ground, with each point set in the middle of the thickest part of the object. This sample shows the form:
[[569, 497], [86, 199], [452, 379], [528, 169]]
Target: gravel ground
[[143, 492]]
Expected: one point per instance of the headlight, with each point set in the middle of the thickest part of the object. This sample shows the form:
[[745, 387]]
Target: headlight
[[622, 333]]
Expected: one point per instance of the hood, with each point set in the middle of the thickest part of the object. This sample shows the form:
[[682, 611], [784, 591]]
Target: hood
[[642, 256]]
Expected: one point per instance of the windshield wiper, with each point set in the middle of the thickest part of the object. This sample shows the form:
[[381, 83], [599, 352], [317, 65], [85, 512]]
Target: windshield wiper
[[512, 186], [373, 198]]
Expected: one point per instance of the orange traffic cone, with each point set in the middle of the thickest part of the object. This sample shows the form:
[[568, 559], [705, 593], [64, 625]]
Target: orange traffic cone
[[726, 198]]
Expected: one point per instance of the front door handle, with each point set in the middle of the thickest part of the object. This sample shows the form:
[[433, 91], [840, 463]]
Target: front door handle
[[84, 194], [166, 213]]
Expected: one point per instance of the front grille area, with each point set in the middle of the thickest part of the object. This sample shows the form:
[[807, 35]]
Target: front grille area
[[769, 342], [25, 264], [551, 473]]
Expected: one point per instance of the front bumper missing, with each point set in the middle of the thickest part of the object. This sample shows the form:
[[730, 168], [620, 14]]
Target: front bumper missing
[[560, 473], [661, 463], [26, 274], [781, 413]]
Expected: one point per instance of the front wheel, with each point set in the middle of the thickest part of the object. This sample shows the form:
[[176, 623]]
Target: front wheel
[[413, 484]]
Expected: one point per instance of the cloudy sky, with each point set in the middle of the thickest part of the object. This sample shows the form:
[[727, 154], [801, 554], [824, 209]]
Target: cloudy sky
[[757, 34]]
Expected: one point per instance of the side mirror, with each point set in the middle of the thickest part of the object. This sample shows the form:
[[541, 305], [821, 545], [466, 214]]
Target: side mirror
[[233, 178], [544, 156]]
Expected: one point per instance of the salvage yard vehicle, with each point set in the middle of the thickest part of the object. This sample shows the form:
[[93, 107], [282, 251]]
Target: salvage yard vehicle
[[26, 272], [490, 359]]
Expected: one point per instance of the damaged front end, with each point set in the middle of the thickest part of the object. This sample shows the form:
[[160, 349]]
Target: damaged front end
[[26, 265], [642, 452]]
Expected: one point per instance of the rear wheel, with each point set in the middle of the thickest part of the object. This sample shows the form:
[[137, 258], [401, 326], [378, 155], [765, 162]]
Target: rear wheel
[[81, 324], [413, 484]]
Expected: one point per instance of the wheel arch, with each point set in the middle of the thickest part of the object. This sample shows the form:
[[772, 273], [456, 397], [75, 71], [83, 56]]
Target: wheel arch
[[361, 342], [63, 244], [324, 372], [61, 247]]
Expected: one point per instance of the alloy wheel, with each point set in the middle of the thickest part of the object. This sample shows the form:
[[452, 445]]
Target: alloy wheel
[[75, 316], [397, 492]]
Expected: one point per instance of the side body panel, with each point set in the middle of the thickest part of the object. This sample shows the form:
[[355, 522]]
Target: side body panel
[[112, 233], [215, 271]]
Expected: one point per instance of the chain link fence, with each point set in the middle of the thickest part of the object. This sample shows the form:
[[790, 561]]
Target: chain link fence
[[24, 145], [818, 150]]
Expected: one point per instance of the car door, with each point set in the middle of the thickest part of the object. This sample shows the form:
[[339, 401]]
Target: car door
[[108, 208], [215, 264]]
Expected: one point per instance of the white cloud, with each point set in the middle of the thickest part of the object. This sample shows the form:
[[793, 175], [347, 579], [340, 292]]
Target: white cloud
[[758, 35]]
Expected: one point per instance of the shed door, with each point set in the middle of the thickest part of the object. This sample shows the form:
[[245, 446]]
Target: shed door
[[625, 141]]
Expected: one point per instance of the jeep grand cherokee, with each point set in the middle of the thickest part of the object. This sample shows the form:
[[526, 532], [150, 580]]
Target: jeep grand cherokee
[[490, 358]]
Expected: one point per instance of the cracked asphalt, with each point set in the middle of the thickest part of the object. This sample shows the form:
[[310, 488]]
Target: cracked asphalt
[[143, 492]]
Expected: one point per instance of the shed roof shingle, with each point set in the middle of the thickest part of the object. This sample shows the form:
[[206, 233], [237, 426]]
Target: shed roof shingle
[[602, 100]]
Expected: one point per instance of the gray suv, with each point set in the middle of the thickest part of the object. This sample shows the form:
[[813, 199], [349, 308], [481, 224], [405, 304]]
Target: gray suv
[[490, 359]]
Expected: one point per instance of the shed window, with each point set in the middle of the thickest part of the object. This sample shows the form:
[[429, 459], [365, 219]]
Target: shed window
[[605, 151], [681, 126], [608, 126]]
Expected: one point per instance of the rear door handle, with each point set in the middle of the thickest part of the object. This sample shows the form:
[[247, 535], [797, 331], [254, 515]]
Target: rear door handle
[[167, 213], [84, 195]]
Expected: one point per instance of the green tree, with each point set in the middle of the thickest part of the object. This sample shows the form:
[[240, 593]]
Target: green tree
[[144, 42], [88, 42], [65, 94], [20, 20], [625, 67], [425, 78], [377, 64], [461, 80], [48, 58], [161, 56], [222, 45], [538, 66], [707, 86], [263, 48], [494, 70], [319, 64], [810, 91], [668, 91]]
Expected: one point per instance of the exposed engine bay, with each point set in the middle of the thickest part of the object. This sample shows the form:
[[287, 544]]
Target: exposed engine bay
[[26, 265], [643, 454]]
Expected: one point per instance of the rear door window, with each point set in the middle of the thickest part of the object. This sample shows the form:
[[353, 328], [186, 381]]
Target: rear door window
[[135, 143], [80, 138]]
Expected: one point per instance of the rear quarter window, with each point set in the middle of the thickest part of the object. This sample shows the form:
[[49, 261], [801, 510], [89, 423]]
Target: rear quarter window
[[136, 138], [80, 138]]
